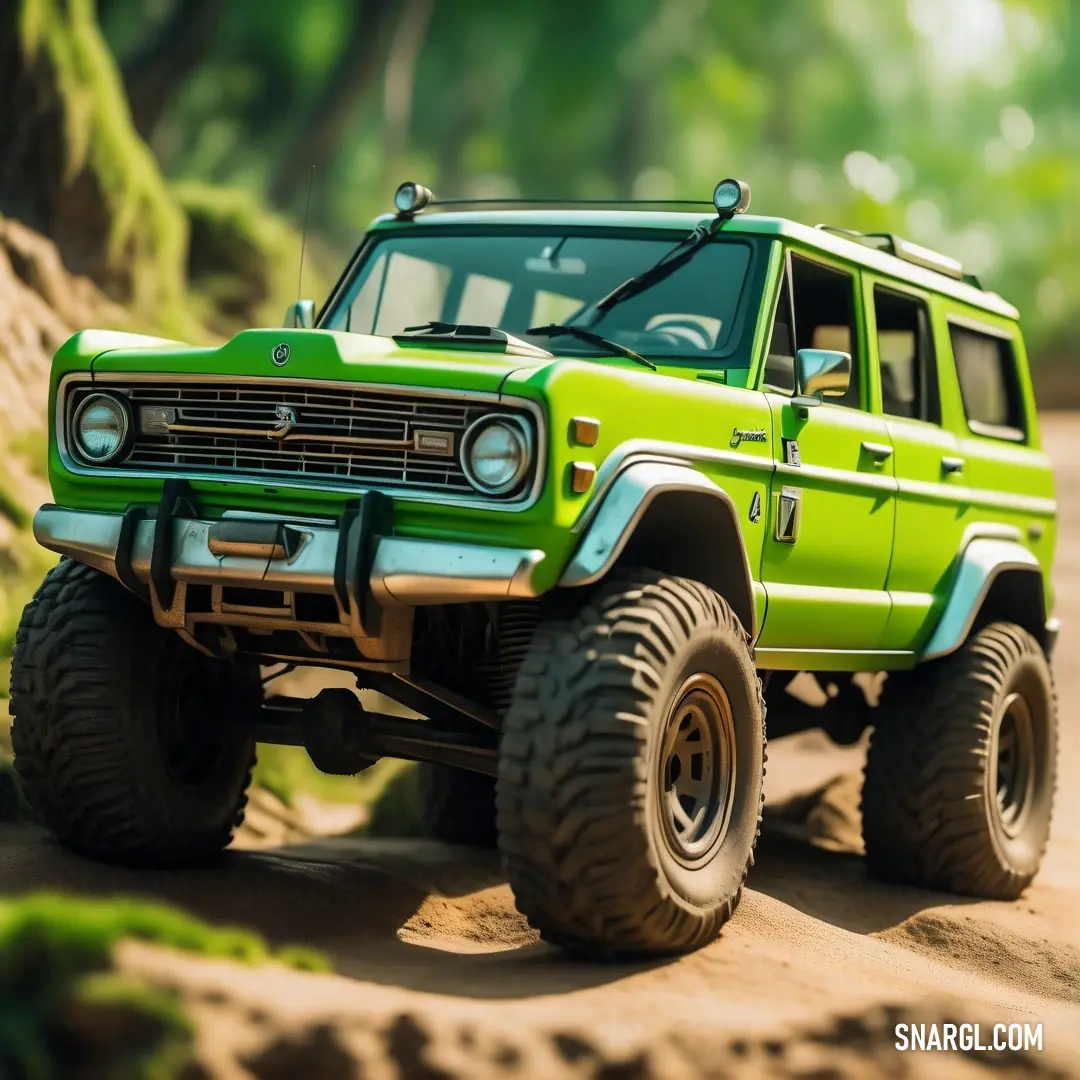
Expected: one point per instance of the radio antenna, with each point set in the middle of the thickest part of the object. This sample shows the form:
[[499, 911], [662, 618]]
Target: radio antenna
[[303, 236]]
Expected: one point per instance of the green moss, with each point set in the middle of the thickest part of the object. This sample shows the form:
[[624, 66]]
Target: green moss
[[396, 812], [61, 1002], [243, 263], [148, 234], [73, 936]]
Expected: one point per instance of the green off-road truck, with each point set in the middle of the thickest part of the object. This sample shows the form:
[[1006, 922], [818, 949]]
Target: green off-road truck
[[583, 490]]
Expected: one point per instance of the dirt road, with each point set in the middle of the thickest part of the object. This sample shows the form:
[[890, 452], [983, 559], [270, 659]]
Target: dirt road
[[438, 977]]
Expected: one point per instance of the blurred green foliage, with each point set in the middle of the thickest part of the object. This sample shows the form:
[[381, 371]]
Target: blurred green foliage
[[287, 771], [956, 124]]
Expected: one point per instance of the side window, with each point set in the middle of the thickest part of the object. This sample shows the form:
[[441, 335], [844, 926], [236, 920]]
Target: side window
[[780, 362], [986, 368], [906, 351], [825, 316]]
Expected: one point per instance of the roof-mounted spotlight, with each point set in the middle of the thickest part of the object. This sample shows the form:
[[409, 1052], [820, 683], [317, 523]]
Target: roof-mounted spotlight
[[411, 197], [731, 197]]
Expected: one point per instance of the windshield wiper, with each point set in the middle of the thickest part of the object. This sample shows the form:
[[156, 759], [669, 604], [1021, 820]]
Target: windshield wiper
[[667, 264], [559, 329]]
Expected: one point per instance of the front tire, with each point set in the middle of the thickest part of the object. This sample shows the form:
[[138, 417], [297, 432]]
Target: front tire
[[125, 738], [630, 777], [960, 772]]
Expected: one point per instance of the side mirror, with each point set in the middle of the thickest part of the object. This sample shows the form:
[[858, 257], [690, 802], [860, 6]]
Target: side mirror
[[300, 315], [820, 373]]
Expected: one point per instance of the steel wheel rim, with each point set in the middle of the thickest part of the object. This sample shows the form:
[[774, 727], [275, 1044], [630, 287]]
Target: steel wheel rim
[[696, 788], [1014, 764]]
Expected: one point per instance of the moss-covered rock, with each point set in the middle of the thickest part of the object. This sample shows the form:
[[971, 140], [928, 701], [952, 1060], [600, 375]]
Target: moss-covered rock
[[243, 259], [64, 1010], [396, 810]]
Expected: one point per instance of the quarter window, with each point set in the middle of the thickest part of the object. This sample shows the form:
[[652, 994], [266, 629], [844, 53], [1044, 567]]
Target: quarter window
[[906, 352], [825, 316], [986, 368], [780, 363]]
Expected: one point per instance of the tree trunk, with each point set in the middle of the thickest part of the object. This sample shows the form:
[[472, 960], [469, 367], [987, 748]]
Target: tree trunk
[[154, 73], [400, 79]]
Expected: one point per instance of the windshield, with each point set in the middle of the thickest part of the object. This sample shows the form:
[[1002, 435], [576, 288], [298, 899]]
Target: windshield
[[516, 281]]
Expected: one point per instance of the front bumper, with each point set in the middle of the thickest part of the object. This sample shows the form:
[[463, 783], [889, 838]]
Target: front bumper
[[402, 571]]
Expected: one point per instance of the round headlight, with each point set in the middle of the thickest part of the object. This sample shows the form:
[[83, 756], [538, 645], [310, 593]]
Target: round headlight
[[101, 428], [495, 454]]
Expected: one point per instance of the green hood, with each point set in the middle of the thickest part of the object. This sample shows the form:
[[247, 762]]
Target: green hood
[[314, 354]]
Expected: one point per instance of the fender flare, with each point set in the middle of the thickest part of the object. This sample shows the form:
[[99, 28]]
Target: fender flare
[[609, 525], [981, 563]]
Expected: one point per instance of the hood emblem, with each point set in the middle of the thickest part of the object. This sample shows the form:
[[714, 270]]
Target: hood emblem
[[279, 354]]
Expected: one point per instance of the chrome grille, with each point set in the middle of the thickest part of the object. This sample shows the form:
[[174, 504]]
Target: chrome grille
[[332, 435]]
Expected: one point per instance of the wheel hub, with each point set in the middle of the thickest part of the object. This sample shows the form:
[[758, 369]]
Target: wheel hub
[[1014, 777], [697, 769]]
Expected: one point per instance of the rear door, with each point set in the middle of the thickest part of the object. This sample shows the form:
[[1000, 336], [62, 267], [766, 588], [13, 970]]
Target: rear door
[[930, 519], [1005, 471], [826, 557]]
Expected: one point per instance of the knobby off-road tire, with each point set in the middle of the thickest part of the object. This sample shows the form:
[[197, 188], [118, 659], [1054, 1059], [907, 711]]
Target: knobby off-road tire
[[960, 774], [606, 701], [457, 805], [123, 735]]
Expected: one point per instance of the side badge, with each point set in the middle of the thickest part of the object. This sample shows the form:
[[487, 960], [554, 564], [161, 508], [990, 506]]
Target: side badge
[[791, 452], [788, 513], [755, 508]]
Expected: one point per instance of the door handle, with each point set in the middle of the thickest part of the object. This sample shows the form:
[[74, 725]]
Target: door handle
[[880, 452], [952, 465]]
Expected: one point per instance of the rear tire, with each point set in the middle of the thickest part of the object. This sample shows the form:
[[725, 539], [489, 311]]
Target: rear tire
[[960, 773], [457, 806], [630, 774], [125, 738]]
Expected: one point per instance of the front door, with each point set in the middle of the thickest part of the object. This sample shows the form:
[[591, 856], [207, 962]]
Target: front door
[[833, 500]]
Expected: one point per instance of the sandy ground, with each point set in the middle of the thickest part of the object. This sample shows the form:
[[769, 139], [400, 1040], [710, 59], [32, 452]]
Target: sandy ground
[[438, 977]]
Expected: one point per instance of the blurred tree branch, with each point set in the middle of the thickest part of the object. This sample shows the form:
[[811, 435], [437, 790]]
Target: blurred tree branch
[[322, 127]]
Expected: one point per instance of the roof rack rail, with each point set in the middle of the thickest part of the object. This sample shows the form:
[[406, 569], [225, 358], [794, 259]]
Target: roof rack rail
[[906, 250], [570, 202]]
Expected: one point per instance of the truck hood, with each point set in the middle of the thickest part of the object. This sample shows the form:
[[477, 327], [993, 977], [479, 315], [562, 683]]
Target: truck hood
[[322, 355]]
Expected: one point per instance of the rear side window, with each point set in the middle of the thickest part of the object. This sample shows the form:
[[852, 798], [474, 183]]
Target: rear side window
[[906, 351], [989, 385]]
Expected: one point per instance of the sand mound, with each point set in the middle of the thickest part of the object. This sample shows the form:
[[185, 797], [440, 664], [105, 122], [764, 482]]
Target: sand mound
[[326, 1028], [1047, 968]]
